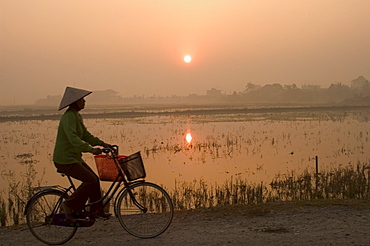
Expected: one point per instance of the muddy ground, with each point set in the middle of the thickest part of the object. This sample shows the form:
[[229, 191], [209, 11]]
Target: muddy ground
[[305, 223]]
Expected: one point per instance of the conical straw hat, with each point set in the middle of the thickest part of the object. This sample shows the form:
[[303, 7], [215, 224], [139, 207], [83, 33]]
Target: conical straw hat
[[71, 95]]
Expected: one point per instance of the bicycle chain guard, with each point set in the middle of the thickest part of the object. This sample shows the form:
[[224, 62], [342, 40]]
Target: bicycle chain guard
[[83, 219]]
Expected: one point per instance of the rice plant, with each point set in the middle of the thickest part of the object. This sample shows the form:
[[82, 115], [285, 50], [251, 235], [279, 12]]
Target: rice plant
[[351, 182], [199, 194], [3, 214], [19, 192]]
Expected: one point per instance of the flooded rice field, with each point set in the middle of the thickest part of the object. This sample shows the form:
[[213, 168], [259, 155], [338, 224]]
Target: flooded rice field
[[250, 144]]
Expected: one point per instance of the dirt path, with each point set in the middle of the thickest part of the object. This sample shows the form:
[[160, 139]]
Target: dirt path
[[338, 223]]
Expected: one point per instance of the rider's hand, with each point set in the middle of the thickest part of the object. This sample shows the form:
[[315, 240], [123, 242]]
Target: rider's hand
[[96, 151]]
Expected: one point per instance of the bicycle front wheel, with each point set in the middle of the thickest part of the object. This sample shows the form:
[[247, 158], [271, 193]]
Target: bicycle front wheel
[[145, 210], [39, 217]]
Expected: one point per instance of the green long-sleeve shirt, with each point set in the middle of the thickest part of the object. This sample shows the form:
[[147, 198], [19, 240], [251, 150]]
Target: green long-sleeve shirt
[[72, 139]]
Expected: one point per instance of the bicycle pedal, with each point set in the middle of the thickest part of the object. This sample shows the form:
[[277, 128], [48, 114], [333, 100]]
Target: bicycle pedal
[[87, 219], [102, 219], [80, 222]]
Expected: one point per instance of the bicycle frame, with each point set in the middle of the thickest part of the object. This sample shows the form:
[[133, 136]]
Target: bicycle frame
[[113, 152], [144, 209]]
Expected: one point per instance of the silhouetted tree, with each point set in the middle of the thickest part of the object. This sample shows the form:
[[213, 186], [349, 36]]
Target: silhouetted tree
[[251, 87], [292, 93], [338, 92]]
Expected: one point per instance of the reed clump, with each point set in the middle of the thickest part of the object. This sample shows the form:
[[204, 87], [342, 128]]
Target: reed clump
[[12, 202], [199, 194], [351, 182], [188, 195]]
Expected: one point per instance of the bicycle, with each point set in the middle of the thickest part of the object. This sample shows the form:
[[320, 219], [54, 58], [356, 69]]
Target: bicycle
[[144, 209]]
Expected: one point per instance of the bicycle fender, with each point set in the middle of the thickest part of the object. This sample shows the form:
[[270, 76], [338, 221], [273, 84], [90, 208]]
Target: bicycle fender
[[56, 188]]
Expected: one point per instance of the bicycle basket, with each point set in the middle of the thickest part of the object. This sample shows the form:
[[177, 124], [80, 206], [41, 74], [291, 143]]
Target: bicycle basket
[[133, 166], [107, 169]]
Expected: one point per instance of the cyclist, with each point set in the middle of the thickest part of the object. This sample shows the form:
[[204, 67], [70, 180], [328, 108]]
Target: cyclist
[[72, 140]]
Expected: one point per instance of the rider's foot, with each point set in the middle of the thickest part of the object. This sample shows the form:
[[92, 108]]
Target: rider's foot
[[68, 211]]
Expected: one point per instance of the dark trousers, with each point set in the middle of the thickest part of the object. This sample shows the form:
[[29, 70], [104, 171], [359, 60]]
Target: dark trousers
[[89, 188]]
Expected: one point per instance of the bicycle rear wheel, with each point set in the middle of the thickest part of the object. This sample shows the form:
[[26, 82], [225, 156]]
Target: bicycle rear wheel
[[39, 217], [153, 218]]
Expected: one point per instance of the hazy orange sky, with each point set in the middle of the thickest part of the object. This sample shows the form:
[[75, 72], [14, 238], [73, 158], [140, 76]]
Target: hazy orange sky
[[136, 47]]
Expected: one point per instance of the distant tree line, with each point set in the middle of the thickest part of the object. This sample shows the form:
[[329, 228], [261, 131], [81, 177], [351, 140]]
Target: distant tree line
[[358, 92]]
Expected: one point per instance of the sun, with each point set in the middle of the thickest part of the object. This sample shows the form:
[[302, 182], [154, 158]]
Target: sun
[[187, 59]]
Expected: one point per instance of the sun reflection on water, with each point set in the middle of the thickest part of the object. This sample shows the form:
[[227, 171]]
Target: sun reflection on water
[[188, 138]]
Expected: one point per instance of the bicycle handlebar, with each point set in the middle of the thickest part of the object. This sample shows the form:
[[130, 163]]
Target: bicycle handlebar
[[112, 149]]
